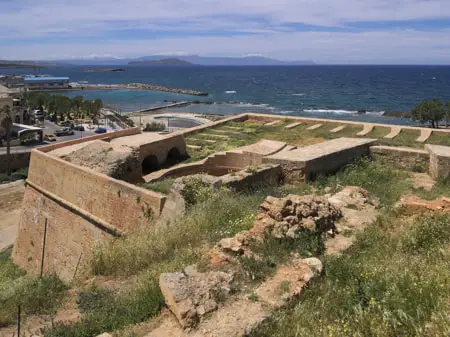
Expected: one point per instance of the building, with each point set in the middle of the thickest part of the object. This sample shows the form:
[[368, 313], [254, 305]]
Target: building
[[42, 83]]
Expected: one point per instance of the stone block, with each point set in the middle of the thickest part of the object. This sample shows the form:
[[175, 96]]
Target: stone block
[[439, 160]]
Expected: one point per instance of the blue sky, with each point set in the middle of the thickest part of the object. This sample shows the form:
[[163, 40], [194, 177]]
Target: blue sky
[[325, 31]]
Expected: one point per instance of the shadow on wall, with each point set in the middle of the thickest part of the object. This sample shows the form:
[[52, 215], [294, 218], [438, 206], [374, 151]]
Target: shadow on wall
[[151, 164]]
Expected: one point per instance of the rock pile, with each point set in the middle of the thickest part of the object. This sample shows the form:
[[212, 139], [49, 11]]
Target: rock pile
[[280, 218]]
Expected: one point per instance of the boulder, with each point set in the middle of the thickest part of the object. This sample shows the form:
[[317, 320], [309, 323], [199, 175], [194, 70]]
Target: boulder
[[192, 294]]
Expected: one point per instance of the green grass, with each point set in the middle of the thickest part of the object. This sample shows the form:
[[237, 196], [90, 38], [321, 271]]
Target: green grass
[[113, 312], [392, 282], [441, 188], [405, 138], [34, 295], [378, 132], [379, 178], [439, 138], [162, 186]]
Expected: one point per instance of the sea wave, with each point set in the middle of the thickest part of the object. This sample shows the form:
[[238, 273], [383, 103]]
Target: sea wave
[[331, 111], [344, 112], [230, 92], [297, 94], [285, 112]]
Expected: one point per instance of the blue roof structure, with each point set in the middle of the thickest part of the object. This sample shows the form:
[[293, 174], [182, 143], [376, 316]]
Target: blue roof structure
[[45, 79]]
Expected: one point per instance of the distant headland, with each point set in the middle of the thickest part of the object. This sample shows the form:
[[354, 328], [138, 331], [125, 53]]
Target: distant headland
[[162, 62]]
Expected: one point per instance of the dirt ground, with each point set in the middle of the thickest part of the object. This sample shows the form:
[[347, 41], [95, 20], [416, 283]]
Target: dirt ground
[[11, 196]]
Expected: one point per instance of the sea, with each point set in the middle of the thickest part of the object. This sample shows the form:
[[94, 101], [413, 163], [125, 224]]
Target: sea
[[362, 93]]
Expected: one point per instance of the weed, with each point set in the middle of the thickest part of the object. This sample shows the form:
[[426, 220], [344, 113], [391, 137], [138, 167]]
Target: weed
[[381, 286], [162, 186], [284, 287], [253, 297], [441, 188]]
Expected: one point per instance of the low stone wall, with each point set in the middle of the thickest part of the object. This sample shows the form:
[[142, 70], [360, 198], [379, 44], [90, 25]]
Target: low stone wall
[[253, 177], [19, 160], [404, 158]]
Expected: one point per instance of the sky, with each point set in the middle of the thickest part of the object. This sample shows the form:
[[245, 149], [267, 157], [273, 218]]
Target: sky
[[324, 31]]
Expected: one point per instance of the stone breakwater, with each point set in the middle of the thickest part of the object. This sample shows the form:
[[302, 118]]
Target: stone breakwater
[[141, 86]]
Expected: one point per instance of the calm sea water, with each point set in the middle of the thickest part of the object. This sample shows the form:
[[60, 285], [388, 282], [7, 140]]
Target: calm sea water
[[321, 91]]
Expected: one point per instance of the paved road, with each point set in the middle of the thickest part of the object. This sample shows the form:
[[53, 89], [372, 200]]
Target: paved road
[[49, 128]]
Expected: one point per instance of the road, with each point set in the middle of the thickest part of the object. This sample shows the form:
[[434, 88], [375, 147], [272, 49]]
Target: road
[[49, 128]]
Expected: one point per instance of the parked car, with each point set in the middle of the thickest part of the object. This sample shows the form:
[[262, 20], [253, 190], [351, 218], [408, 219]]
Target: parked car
[[64, 132], [100, 130], [50, 138]]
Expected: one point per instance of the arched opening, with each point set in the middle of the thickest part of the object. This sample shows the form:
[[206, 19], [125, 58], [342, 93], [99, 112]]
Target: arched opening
[[173, 158], [150, 164]]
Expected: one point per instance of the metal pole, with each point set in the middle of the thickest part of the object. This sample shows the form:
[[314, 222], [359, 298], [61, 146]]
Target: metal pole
[[18, 320], [43, 247]]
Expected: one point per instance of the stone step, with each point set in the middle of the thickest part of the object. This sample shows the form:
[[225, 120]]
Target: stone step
[[226, 132], [424, 135], [237, 128], [194, 147], [314, 127], [395, 131], [272, 123], [202, 140], [366, 130], [339, 128], [293, 125], [212, 135]]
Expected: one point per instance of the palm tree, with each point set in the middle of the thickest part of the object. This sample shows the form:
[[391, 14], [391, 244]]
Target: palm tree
[[6, 123]]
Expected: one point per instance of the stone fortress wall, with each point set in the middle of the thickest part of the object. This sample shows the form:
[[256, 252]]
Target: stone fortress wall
[[83, 207]]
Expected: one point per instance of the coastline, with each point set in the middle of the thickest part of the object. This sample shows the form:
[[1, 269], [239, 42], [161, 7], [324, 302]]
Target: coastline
[[138, 86]]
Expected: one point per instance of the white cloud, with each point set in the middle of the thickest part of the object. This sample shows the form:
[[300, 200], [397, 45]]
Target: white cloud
[[67, 27], [402, 46]]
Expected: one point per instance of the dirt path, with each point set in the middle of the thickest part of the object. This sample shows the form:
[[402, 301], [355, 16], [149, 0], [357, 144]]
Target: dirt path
[[10, 201]]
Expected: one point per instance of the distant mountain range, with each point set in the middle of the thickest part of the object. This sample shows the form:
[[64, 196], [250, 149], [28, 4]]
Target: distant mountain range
[[162, 62], [194, 59]]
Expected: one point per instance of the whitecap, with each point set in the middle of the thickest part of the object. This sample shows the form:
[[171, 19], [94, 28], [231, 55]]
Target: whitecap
[[230, 92], [331, 111], [285, 112], [297, 94]]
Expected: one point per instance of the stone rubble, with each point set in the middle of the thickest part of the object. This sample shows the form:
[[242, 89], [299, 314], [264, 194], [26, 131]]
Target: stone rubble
[[191, 294]]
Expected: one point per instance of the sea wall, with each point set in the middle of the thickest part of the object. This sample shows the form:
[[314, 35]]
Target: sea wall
[[404, 158]]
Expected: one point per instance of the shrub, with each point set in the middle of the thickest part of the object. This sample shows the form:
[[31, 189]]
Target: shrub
[[154, 126]]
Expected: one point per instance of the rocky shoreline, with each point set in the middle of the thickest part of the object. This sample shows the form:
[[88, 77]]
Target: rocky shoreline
[[141, 86]]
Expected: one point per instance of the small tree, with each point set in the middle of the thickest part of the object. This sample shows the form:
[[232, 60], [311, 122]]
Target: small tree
[[429, 111], [6, 122], [447, 114]]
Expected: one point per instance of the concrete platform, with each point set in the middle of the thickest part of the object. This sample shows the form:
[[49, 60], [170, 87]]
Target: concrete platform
[[307, 162], [424, 135], [314, 127], [395, 131], [366, 130], [272, 123], [439, 161], [264, 147], [293, 125], [339, 128]]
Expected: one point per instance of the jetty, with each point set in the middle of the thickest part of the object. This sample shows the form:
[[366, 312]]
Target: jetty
[[161, 107], [138, 86]]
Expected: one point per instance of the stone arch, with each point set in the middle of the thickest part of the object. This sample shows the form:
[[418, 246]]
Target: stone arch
[[173, 157], [150, 164]]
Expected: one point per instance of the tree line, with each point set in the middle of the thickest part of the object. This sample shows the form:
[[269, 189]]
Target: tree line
[[63, 107], [432, 111]]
